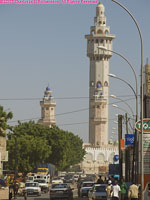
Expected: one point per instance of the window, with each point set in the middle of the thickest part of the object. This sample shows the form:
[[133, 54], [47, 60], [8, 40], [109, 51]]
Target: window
[[47, 108], [96, 40], [99, 84], [106, 83]]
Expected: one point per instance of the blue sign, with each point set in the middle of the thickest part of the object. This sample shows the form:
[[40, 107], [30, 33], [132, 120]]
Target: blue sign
[[116, 158], [129, 139]]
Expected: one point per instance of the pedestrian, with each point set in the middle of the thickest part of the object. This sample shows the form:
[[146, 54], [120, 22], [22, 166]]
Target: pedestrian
[[109, 190], [115, 191], [123, 188], [105, 181], [100, 180], [133, 192]]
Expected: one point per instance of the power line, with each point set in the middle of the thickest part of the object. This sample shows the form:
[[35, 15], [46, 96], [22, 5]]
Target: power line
[[65, 113], [61, 98]]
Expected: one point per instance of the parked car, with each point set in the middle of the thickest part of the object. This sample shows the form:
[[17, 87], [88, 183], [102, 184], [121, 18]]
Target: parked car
[[32, 188], [43, 184], [61, 191], [57, 180], [98, 192], [85, 187], [3, 182]]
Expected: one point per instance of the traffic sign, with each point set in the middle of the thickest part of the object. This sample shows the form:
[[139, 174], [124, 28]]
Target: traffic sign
[[146, 125]]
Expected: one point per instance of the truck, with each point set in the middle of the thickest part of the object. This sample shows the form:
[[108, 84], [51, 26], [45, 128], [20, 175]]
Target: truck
[[46, 169]]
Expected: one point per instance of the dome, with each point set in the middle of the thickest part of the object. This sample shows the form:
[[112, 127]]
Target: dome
[[48, 89], [100, 5]]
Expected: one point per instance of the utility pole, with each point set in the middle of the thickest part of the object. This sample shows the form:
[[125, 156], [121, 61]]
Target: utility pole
[[120, 137], [127, 154]]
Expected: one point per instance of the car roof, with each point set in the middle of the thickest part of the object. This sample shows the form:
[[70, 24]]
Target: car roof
[[87, 182], [100, 185]]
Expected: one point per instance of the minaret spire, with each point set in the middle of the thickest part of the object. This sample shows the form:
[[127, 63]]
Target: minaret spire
[[99, 80], [47, 109]]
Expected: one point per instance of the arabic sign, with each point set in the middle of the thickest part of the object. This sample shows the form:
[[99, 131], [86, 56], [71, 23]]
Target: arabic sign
[[146, 125]]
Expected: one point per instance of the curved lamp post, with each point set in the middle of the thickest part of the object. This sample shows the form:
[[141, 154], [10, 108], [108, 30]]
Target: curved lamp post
[[114, 97], [135, 75], [141, 42]]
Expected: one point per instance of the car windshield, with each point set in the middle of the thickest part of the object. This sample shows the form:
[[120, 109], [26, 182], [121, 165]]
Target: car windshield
[[56, 178], [87, 184], [59, 186], [40, 181], [31, 184], [100, 188]]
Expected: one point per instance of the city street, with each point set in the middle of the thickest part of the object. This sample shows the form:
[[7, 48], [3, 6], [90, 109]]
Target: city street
[[46, 197]]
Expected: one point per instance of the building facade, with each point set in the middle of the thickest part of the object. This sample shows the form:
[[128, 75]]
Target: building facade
[[47, 109], [99, 80], [97, 159], [147, 91]]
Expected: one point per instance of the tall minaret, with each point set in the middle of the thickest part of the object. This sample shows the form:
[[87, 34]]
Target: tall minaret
[[99, 80], [47, 109]]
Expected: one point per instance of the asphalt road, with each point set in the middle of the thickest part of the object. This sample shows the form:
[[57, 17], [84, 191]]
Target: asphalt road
[[46, 197]]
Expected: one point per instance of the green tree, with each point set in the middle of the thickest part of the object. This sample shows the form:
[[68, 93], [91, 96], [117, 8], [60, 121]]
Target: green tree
[[39, 144], [4, 117]]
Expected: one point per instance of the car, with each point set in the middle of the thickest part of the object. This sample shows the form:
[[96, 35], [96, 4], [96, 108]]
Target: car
[[32, 188], [57, 180], [43, 184], [85, 187], [98, 192], [69, 178], [61, 191]]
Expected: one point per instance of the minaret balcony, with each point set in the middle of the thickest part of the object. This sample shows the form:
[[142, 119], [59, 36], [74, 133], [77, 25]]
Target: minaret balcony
[[99, 119]]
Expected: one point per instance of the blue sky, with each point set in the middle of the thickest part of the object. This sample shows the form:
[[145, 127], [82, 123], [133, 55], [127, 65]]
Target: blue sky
[[45, 44]]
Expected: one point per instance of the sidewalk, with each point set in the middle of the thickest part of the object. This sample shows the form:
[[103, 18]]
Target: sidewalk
[[4, 193]]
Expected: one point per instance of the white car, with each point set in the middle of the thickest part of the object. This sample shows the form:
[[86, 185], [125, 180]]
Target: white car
[[32, 188], [43, 185], [57, 181]]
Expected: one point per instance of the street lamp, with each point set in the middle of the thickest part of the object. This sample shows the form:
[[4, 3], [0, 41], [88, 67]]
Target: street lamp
[[116, 106], [113, 96], [135, 75], [142, 95], [114, 76]]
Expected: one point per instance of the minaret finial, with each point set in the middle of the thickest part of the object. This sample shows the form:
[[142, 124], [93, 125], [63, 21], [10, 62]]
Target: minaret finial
[[147, 61]]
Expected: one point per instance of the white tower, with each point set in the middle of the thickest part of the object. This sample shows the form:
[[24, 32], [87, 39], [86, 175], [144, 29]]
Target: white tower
[[99, 80], [47, 109]]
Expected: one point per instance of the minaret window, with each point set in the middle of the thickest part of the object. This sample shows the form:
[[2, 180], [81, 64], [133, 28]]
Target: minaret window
[[106, 83], [103, 22], [99, 85], [99, 31], [96, 40], [106, 32], [92, 83]]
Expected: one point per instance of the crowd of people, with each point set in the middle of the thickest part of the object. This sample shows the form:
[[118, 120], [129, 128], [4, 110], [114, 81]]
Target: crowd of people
[[118, 190]]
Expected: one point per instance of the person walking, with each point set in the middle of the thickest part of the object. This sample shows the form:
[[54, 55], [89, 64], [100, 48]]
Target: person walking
[[109, 190], [100, 180], [123, 188], [115, 191], [133, 192]]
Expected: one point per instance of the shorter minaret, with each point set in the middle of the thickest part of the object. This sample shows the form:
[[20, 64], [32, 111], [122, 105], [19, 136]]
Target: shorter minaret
[[47, 109]]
